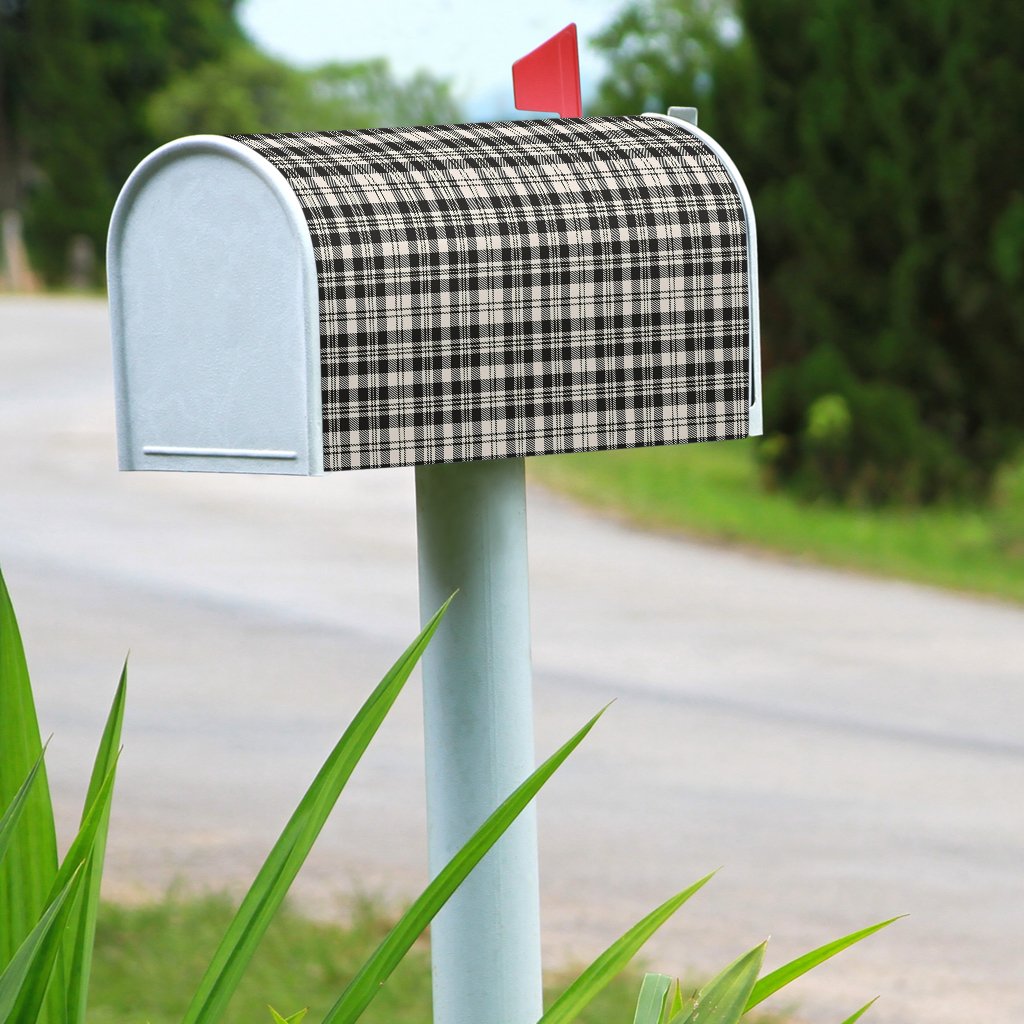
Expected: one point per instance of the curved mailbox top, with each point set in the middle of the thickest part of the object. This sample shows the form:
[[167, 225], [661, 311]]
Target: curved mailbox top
[[347, 300]]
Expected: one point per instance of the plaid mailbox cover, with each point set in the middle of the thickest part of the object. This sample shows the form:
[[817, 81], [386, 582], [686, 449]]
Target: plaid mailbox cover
[[523, 288]]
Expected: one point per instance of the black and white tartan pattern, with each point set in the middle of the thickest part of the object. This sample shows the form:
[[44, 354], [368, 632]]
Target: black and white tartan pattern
[[522, 288]]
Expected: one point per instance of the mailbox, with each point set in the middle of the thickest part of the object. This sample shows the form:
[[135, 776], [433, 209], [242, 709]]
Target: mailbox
[[305, 302]]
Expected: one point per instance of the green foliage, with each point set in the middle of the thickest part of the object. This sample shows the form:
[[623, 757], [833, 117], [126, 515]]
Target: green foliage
[[839, 417], [247, 92], [268, 891], [650, 1006], [28, 917], [146, 956], [34, 960], [726, 998], [30, 863], [378, 968], [48, 912], [1008, 510], [715, 491], [150, 957], [782, 976], [12, 815], [723, 1000], [48, 920], [736, 990], [295, 1018], [45, 978], [611, 962], [89, 87], [82, 931], [75, 80], [873, 137], [854, 1017]]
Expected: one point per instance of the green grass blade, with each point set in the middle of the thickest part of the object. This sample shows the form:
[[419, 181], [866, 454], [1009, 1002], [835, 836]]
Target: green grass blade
[[82, 930], [73, 866], [771, 983], [282, 864], [372, 975], [675, 1006], [295, 1018], [723, 1000], [30, 866], [83, 845], [854, 1017], [17, 805], [595, 977], [24, 981], [651, 1003]]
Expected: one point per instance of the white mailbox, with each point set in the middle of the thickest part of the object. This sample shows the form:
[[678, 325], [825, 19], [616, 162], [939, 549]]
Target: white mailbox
[[430, 296], [305, 302]]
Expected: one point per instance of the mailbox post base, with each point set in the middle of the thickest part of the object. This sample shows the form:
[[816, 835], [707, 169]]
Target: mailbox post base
[[478, 719]]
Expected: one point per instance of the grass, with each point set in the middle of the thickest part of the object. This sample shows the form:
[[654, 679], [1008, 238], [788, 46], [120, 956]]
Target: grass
[[149, 958], [714, 492]]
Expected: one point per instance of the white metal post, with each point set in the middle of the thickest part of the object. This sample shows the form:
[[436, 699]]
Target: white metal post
[[478, 712]]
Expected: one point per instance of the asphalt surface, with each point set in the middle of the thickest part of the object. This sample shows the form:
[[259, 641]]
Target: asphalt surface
[[846, 748]]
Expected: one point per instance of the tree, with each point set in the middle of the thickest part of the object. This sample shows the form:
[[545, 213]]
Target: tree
[[74, 83], [876, 140], [248, 92], [88, 87]]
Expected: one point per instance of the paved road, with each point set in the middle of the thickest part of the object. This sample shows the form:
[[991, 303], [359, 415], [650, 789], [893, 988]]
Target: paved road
[[846, 748]]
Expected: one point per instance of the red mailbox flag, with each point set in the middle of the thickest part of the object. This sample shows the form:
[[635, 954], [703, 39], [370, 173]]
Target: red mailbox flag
[[548, 78]]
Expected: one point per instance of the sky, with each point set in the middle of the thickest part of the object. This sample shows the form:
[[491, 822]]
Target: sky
[[472, 42]]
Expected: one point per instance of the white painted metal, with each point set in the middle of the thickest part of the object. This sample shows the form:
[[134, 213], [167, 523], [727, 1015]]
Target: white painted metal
[[684, 114], [218, 453], [478, 709], [756, 406], [213, 287], [216, 335], [216, 330]]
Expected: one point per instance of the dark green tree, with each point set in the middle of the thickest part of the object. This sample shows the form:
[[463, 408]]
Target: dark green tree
[[75, 79], [60, 129], [88, 87], [880, 141]]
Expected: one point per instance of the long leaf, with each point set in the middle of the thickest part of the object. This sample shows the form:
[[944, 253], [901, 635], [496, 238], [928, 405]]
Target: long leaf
[[569, 1004], [651, 1003], [13, 813], [854, 1017], [81, 935], [675, 1006], [295, 1018], [782, 976], [28, 870], [372, 975], [24, 981], [282, 864], [84, 843], [723, 999], [72, 866]]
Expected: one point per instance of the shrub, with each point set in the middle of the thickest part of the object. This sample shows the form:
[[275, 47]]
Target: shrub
[[48, 914]]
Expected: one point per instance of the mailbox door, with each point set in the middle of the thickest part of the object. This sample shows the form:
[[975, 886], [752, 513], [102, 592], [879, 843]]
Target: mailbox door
[[213, 287]]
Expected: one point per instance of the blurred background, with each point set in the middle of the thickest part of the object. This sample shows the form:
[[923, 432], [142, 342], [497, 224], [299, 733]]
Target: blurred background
[[847, 743], [881, 143]]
